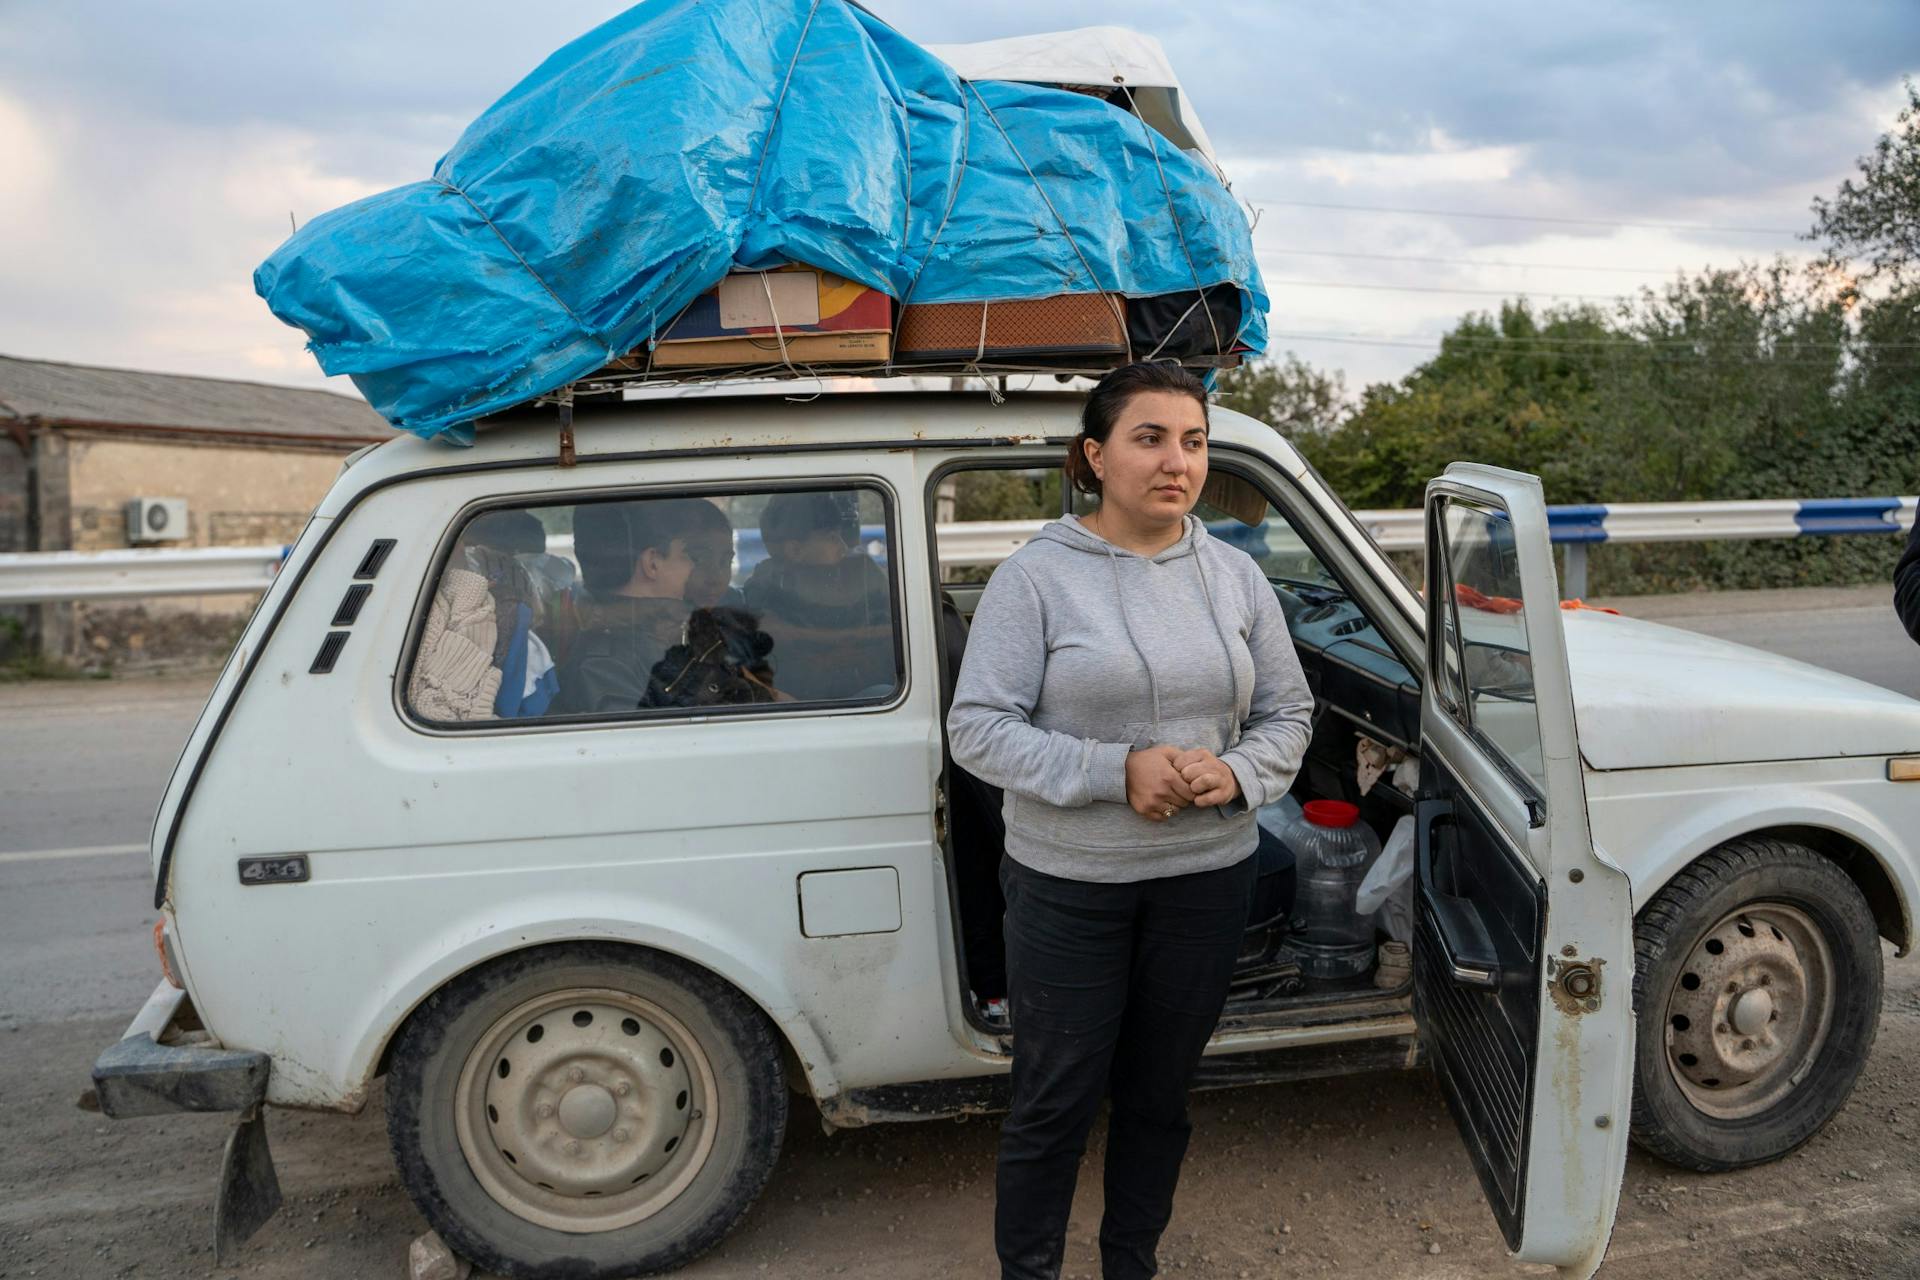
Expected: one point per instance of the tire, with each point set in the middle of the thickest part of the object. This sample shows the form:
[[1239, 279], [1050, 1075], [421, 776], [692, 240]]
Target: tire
[[585, 1111], [1735, 1065]]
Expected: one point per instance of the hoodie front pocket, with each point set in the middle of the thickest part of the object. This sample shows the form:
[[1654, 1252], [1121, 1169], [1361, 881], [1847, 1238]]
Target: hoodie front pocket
[[1213, 733]]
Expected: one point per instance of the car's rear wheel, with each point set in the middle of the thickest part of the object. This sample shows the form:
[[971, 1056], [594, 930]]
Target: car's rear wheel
[[1757, 986], [586, 1111]]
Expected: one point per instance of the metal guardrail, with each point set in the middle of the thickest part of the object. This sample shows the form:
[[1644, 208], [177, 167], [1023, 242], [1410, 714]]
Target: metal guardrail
[[1579, 527], [32, 577]]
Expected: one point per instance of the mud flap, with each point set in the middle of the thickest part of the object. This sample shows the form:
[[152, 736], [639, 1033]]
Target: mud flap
[[249, 1187]]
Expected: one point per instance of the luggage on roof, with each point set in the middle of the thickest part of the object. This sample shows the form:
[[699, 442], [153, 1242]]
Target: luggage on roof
[[590, 224]]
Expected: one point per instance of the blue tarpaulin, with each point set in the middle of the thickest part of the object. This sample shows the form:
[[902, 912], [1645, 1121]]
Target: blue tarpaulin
[[685, 138]]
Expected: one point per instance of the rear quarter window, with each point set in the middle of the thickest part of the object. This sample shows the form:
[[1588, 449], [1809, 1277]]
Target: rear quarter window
[[661, 605]]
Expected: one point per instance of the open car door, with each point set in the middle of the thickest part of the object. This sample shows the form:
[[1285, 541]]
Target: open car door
[[1523, 956]]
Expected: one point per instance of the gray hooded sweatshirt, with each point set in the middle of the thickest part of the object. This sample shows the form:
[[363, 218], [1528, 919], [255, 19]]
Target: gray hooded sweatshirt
[[1082, 652]]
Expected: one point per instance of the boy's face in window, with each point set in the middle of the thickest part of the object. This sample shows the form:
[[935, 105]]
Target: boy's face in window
[[712, 556], [662, 572], [821, 546]]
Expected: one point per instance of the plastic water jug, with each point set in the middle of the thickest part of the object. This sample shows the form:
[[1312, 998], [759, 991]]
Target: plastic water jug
[[1280, 818], [1333, 848]]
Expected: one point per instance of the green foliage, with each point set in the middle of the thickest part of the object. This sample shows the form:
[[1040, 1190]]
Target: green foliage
[[1874, 221], [32, 666], [1007, 495], [1030, 494], [20, 661], [1503, 390], [1287, 394], [1758, 382]]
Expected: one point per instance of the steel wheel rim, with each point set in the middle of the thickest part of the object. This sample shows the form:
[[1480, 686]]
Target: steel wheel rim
[[1749, 1010], [586, 1109]]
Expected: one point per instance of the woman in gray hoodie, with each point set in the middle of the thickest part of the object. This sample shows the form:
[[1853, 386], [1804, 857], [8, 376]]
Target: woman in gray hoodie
[[1130, 684]]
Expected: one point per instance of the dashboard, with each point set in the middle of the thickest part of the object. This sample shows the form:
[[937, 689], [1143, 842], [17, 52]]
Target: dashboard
[[1350, 667]]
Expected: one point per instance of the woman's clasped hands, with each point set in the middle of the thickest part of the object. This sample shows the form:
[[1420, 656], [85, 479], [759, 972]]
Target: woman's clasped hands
[[1161, 781]]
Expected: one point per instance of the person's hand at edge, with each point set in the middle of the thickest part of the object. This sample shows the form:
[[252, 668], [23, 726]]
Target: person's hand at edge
[[1207, 776], [1155, 788]]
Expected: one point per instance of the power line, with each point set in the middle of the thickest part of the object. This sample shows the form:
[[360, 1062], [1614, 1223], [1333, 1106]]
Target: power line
[[1428, 288], [1467, 262], [1543, 339], [1521, 217], [1547, 348], [1423, 344]]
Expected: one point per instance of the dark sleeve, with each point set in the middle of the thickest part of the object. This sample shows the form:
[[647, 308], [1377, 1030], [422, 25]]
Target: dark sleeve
[[758, 591], [601, 683], [1906, 584]]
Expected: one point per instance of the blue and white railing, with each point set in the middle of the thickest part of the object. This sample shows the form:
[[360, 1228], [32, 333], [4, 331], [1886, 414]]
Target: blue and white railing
[[30, 577], [1578, 528]]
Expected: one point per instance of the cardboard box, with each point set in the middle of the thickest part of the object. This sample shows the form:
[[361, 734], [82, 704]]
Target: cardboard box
[[824, 318], [807, 348], [1068, 325]]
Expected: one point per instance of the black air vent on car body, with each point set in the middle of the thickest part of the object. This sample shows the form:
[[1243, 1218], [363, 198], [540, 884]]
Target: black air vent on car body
[[350, 604], [375, 557], [329, 653]]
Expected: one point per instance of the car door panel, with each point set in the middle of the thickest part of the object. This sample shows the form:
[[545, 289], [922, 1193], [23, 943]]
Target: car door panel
[[1482, 912], [1523, 948]]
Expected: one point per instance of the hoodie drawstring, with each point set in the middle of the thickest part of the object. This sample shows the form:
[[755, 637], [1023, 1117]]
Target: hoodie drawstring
[[1126, 622], [1219, 631], [1226, 647]]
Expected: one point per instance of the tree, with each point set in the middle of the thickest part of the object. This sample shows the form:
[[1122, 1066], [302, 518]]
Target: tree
[[1876, 219], [1722, 379], [1007, 495], [1288, 394], [1512, 389]]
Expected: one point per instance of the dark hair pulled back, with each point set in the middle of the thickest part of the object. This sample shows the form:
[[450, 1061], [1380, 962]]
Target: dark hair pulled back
[[1110, 396]]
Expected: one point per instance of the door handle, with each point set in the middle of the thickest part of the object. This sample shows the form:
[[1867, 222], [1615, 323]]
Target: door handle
[[1465, 946]]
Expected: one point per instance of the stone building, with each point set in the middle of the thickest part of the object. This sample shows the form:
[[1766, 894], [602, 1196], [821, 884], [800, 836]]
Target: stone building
[[249, 460]]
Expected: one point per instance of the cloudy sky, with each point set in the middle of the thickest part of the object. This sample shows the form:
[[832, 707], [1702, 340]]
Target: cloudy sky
[[151, 154]]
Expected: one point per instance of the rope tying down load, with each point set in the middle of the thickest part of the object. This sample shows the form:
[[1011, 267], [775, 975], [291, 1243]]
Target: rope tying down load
[[595, 200], [1200, 290]]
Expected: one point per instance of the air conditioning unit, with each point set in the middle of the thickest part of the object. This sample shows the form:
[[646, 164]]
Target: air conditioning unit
[[156, 520]]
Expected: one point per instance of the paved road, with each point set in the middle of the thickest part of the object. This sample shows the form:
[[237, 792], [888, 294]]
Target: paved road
[[82, 763], [1846, 629], [84, 760]]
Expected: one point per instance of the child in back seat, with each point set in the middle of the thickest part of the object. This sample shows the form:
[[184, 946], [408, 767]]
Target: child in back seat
[[473, 657], [509, 548], [710, 546], [826, 604], [634, 561]]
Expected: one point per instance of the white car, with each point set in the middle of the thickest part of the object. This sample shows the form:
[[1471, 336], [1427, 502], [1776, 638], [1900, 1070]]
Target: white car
[[593, 945]]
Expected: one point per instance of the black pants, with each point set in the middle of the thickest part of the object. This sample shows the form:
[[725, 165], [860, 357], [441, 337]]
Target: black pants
[[1115, 989]]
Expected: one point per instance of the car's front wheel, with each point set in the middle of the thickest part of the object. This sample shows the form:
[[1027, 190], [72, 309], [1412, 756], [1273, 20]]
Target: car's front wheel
[[585, 1111], [1757, 985]]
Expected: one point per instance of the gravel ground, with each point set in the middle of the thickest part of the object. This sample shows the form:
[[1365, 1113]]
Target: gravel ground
[[1361, 1176]]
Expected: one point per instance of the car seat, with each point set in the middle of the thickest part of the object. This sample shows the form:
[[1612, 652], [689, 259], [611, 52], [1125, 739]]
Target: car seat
[[977, 832]]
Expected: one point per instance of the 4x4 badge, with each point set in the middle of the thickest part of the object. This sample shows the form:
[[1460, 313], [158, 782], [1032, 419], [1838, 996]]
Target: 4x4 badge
[[291, 869]]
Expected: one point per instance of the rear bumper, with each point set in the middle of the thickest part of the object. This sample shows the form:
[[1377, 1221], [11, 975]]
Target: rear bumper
[[158, 1068], [152, 1070]]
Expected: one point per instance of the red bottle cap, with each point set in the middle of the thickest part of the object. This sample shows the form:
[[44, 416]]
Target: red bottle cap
[[1331, 813]]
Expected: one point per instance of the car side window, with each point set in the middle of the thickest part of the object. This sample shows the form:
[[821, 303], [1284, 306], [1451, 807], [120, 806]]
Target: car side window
[[654, 605], [1488, 664], [1239, 514], [979, 513]]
